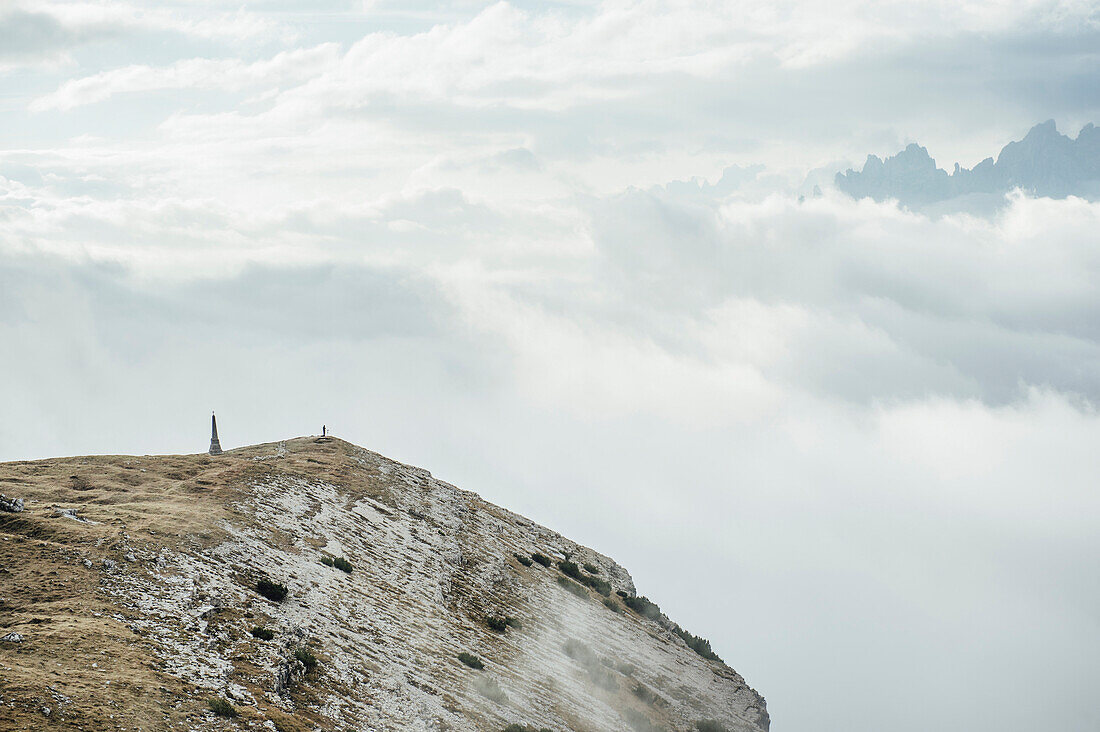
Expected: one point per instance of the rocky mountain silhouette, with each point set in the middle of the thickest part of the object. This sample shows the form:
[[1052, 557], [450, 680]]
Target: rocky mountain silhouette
[[1044, 163]]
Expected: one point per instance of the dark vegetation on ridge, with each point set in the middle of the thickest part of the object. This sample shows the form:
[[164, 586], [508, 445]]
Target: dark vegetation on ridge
[[273, 591], [471, 660], [541, 559], [222, 707]]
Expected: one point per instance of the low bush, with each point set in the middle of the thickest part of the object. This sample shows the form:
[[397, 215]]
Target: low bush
[[263, 633], [601, 586], [541, 559], [471, 660], [710, 725], [570, 569], [307, 658], [525, 561], [273, 591], [342, 564], [591, 568], [642, 605], [572, 587], [496, 623], [222, 707], [326, 560], [622, 593], [697, 644], [611, 605]]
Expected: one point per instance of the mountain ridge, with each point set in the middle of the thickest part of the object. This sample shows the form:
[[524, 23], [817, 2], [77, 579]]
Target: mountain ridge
[[136, 594], [1044, 163]]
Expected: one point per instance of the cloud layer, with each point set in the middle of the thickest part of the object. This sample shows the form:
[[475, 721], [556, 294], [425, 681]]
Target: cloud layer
[[573, 258]]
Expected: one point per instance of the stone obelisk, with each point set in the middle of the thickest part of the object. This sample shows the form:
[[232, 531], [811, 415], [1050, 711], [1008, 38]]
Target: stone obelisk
[[215, 446]]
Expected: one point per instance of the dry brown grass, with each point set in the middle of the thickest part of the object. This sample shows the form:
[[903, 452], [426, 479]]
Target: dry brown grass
[[75, 649]]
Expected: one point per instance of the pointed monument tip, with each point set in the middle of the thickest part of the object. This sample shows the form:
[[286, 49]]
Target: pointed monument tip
[[215, 444]]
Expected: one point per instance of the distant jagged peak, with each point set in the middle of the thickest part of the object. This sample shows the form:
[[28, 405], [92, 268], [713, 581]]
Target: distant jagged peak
[[1044, 129], [1045, 163]]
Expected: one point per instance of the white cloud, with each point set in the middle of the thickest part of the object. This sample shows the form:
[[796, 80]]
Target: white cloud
[[288, 67], [200, 20]]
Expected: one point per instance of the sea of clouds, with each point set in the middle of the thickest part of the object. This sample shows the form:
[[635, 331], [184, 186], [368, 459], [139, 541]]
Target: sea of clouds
[[572, 258]]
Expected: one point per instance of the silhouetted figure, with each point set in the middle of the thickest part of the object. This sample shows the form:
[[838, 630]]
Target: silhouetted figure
[[324, 430], [215, 445]]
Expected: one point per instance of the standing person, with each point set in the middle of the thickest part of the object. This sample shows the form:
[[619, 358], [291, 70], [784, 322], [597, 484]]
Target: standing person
[[324, 430]]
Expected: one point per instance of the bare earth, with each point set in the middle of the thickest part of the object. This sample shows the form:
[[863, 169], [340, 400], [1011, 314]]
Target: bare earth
[[132, 583]]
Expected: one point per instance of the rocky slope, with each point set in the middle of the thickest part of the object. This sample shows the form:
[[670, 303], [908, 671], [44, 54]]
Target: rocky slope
[[129, 595]]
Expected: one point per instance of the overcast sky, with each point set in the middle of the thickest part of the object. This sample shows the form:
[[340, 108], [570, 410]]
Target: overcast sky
[[555, 253]]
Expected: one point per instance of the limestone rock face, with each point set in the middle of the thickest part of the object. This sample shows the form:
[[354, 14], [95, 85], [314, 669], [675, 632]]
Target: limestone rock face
[[11, 505], [235, 591]]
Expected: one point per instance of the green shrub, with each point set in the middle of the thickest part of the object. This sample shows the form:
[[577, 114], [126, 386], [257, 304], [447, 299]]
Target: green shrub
[[591, 568], [622, 593], [307, 658], [710, 725], [326, 560], [697, 644], [570, 569], [642, 605], [471, 660], [222, 707], [572, 587], [601, 586], [342, 564], [496, 623], [273, 591], [611, 605], [525, 561], [263, 633], [541, 559]]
